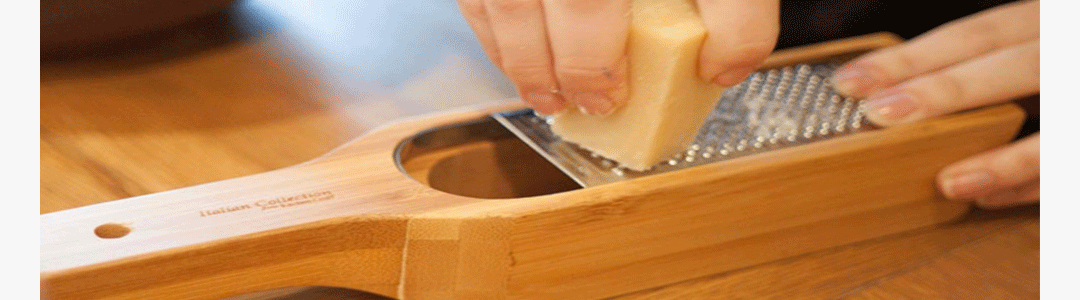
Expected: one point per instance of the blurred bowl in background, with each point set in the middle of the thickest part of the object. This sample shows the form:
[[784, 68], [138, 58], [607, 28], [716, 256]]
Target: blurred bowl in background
[[78, 23]]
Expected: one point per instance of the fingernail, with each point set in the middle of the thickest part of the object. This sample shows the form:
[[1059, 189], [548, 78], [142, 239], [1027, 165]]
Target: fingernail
[[967, 185], [733, 76], [891, 108], [594, 104], [852, 81], [546, 104]]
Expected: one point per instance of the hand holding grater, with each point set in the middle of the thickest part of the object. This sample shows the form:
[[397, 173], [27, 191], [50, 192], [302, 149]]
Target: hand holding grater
[[458, 206]]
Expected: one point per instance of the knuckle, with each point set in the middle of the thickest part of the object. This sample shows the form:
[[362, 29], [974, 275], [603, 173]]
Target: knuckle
[[495, 57], [711, 3], [1030, 54], [1005, 164], [951, 86], [493, 54], [584, 6], [511, 6], [1014, 164], [1029, 160], [981, 34], [473, 9], [585, 76], [519, 68], [529, 73], [941, 92], [1007, 167], [894, 64], [1016, 160], [749, 55]]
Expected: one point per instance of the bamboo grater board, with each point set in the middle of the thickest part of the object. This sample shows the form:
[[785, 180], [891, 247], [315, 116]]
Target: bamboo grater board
[[384, 232]]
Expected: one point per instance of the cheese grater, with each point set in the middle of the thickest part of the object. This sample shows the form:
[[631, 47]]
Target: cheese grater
[[455, 206], [771, 109]]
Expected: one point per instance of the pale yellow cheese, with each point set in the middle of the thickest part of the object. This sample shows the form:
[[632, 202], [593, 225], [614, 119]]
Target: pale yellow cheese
[[668, 100]]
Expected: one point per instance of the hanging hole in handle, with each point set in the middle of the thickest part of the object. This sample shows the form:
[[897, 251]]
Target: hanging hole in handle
[[111, 230]]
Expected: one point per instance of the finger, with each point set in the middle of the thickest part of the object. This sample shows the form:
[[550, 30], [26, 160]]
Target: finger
[[946, 45], [1024, 194], [1009, 166], [476, 15], [521, 36], [588, 45], [998, 77], [742, 33]]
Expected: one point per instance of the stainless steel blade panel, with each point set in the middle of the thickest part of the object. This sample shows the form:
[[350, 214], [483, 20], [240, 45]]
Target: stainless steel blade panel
[[772, 109]]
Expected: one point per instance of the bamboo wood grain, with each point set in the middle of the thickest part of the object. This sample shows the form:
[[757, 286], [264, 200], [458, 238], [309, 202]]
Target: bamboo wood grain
[[367, 225], [842, 272]]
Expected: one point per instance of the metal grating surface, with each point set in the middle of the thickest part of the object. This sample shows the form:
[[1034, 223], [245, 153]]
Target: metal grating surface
[[772, 109]]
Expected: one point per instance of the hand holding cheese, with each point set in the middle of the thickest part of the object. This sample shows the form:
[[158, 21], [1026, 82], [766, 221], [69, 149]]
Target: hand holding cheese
[[668, 101], [571, 53]]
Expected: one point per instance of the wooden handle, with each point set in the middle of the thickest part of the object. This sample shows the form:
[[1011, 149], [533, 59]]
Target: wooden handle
[[220, 239], [337, 220]]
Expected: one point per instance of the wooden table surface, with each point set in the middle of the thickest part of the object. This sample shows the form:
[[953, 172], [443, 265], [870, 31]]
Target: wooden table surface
[[272, 83]]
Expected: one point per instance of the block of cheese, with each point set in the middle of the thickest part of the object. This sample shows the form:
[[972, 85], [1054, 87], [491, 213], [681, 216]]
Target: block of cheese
[[668, 100]]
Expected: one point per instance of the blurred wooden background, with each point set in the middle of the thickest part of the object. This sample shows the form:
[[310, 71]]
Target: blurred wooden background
[[256, 85]]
